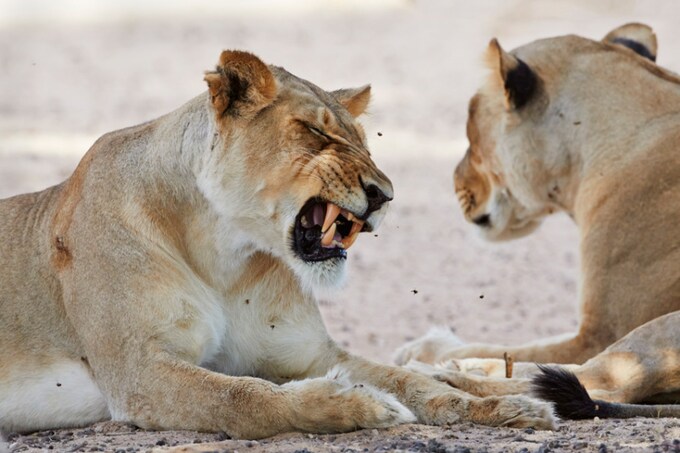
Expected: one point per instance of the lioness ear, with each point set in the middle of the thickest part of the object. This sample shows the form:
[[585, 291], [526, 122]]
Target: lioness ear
[[355, 100], [516, 77], [639, 38], [241, 85]]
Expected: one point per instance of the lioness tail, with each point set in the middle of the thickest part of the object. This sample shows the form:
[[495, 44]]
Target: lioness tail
[[572, 401]]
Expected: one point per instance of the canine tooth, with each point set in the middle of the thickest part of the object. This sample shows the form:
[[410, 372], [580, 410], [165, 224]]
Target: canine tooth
[[349, 240], [332, 213], [327, 238], [353, 235]]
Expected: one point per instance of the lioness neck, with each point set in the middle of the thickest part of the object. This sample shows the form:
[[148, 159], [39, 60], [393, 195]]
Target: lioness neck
[[180, 201]]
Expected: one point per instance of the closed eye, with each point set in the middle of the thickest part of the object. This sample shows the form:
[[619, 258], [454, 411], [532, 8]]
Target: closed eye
[[316, 131], [329, 137]]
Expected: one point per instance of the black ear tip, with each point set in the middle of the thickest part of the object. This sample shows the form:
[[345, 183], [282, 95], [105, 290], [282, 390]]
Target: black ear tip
[[521, 84], [636, 47]]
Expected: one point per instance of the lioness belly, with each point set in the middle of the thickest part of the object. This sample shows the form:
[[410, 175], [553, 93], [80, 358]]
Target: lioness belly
[[57, 394]]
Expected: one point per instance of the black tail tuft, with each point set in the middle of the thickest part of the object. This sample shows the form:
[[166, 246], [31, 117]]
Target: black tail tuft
[[570, 398]]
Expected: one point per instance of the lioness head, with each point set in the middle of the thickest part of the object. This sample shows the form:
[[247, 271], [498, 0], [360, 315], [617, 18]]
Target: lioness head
[[528, 126], [290, 167]]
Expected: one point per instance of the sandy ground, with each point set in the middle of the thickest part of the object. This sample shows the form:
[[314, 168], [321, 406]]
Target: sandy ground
[[66, 79], [600, 436]]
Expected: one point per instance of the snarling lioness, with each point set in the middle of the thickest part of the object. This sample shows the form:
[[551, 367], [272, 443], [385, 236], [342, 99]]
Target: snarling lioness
[[169, 281], [591, 128]]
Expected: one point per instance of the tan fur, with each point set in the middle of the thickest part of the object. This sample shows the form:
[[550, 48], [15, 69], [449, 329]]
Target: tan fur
[[599, 140], [642, 367], [158, 284]]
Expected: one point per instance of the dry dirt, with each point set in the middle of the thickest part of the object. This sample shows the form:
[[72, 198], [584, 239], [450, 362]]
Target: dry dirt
[[585, 436], [67, 78]]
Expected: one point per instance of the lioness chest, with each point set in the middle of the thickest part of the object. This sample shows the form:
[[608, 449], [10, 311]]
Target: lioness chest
[[263, 333]]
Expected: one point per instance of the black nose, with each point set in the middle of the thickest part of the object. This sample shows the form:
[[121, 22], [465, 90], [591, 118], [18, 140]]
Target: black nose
[[483, 220], [376, 198]]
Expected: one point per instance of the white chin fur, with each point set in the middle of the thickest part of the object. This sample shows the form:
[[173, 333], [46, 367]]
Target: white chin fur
[[505, 225], [508, 233], [321, 275]]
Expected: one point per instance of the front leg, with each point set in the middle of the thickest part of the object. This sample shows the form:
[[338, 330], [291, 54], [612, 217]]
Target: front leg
[[145, 345], [479, 385], [437, 403], [439, 345]]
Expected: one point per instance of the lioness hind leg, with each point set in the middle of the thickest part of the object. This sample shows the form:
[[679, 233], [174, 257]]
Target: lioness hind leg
[[618, 377], [49, 394], [643, 364], [626, 377]]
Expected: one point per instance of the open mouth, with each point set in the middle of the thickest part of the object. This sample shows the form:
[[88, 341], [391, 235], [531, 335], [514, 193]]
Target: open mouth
[[324, 230]]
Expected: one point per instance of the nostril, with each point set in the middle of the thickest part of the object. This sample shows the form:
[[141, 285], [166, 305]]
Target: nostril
[[483, 220], [376, 198], [372, 191]]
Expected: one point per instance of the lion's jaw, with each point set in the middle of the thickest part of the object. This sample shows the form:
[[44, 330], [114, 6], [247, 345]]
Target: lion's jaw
[[336, 233], [505, 218], [307, 227]]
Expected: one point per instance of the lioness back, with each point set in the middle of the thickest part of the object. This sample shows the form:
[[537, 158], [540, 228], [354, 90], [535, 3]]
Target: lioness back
[[29, 283]]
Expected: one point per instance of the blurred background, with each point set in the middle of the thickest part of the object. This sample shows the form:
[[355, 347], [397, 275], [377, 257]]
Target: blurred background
[[74, 69]]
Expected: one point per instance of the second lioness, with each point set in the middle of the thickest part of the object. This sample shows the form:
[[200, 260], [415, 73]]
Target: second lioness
[[590, 128]]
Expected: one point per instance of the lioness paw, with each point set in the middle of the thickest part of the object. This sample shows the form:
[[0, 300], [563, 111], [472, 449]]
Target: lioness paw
[[380, 409], [429, 347], [335, 404], [516, 411]]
